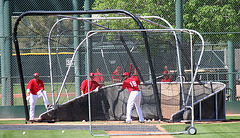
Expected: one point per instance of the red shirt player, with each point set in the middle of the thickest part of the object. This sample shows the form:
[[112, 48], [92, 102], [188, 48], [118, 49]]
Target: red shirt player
[[131, 83], [35, 85], [116, 75], [98, 77], [35, 90], [93, 84], [166, 77]]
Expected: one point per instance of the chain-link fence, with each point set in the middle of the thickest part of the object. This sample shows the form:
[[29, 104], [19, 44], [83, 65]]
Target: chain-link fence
[[217, 21]]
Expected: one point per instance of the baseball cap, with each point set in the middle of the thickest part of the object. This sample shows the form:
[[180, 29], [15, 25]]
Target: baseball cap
[[36, 74], [126, 74], [91, 74], [118, 67]]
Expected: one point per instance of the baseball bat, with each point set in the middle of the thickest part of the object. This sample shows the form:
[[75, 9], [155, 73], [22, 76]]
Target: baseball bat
[[130, 69]]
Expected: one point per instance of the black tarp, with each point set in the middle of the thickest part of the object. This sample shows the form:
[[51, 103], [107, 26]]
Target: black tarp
[[111, 101]]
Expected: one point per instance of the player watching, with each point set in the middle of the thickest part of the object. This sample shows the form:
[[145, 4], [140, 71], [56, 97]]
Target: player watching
[[116, 75], [35, 90], [98, 77], [166, 77], [131, 83], [94, 86]]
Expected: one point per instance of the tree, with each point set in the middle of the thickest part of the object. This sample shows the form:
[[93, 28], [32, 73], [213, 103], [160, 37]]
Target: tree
[[200, 15], [213, 16], [33, 33]]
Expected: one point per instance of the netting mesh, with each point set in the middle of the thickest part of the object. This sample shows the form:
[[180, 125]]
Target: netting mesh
[[112, 47], [216, 20], [68, 53], [107, 50]]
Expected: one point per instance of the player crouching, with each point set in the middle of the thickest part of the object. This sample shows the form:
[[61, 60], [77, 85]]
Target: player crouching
[[131, 83], [35, 90]]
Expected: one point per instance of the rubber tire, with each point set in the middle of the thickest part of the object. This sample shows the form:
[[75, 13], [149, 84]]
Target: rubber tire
[[192, 131]]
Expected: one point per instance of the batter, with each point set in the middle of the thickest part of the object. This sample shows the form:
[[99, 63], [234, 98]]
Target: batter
[[131, 83]]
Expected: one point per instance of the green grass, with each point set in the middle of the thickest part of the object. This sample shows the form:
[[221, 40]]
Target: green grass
[[214, 130], [48, 134], [224, 130], [7, 122], [232, 117]]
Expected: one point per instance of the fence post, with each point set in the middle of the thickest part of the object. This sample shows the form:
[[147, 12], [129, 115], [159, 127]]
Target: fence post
[[179, 25], [231, 69], [77, 63], [6, 54]]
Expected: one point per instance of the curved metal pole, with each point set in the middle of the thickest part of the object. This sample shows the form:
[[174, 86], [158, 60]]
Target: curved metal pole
[[177, 46], [50, 59], [198, 64], [15, 40], [59, 64], [74, 18], [64, 81], [20, 69]]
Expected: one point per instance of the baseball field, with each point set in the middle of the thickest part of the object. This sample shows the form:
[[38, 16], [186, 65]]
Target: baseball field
[[16, 128]]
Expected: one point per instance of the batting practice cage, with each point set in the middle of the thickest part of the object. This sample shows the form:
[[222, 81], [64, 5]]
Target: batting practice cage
[[72, 44]]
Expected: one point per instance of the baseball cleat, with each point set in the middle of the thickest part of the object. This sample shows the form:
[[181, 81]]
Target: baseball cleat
[[31, 121], [127, 122]]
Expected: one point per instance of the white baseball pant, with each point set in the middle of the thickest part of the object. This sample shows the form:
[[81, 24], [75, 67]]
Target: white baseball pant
[[33, 102], [134, 99]]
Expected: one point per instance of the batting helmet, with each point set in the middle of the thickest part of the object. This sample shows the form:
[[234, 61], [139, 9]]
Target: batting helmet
[[91, 74], [36, 74], [126, 74]]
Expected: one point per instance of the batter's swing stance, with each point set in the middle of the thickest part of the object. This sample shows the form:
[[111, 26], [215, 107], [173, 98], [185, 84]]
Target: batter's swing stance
[[131, 83]]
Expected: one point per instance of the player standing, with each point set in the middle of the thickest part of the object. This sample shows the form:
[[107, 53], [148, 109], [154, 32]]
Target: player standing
[[94, 86], [166, 77], [131, 83], [98, 77], [35, 91], [116, 75]]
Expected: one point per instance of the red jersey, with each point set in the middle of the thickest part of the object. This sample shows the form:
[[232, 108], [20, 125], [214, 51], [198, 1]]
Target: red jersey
[[131, 84], [164, 80], [135, 76], [84, 86], [116, 75], [35, 86], [98, 77]]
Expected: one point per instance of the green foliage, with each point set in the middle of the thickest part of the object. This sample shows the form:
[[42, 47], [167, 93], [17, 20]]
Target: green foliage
[[163, 9], [33, 32], [199, 15], [213, 16]]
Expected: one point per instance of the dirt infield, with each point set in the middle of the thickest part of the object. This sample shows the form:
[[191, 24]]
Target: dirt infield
[[137, 136], [111, 128], [115, 129]]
